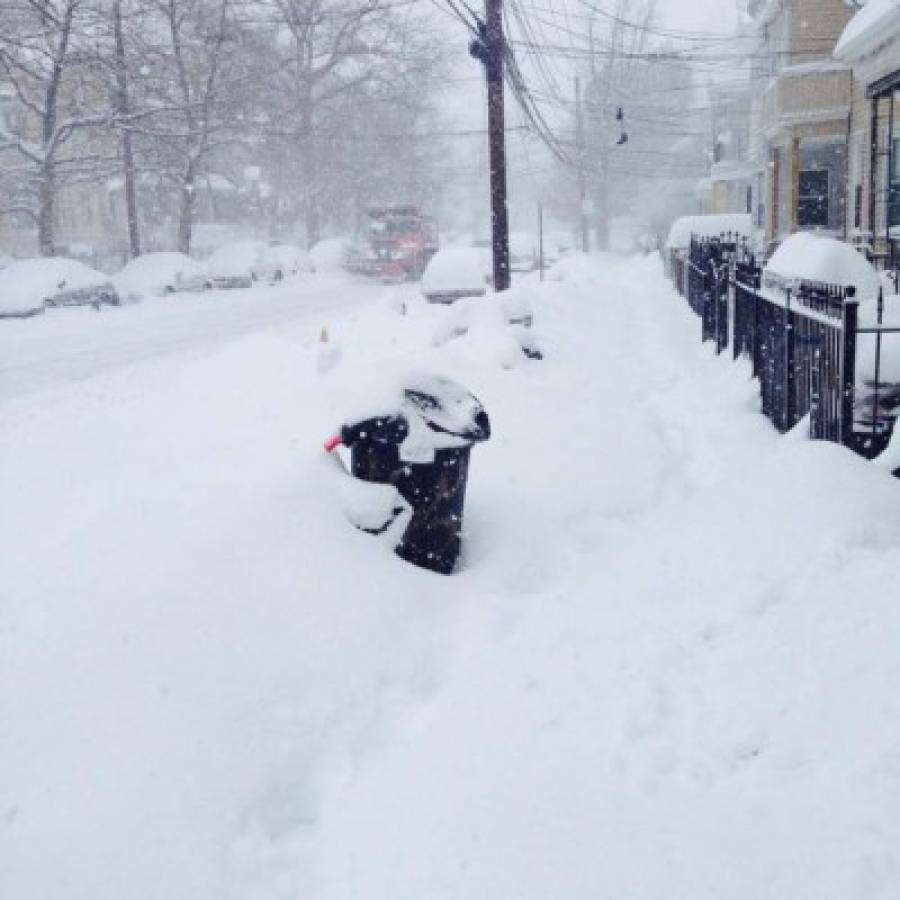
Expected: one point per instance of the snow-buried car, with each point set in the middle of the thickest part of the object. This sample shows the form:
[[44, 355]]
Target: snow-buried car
[[30, 285]]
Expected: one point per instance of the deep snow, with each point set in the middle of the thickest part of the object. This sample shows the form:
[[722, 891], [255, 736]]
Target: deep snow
[[667, 668]]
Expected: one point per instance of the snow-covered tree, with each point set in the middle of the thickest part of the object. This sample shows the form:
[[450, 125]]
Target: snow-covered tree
[[50, 56]]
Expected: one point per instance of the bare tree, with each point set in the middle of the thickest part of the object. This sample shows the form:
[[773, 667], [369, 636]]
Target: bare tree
[[47, 55], [329, 103], [189, 93], [351, 77], [123, 111], [637, 112]]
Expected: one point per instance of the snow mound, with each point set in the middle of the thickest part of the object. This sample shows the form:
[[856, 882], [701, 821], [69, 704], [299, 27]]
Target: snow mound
[[483, 327], [809, 257], [707, 226]]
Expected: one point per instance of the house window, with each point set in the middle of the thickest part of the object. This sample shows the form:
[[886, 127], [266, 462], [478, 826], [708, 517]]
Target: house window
[[749, 196], [812, 201], [857, 206]]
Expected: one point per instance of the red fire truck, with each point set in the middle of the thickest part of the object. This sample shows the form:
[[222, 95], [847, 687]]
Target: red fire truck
[[396, 245]]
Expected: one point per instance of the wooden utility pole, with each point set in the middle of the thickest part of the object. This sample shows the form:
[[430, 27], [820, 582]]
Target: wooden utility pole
[[488, 48], [131, 213]]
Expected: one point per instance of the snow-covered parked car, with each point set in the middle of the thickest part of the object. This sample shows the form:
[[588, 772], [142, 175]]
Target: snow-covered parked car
[[29, 285], [157, 274], [240, 264], [456, 272], [330, 254], [287, 260], [235, 265]]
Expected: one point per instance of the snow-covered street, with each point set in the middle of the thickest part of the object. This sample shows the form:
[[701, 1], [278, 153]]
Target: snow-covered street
[[64, 347], [667, 667]]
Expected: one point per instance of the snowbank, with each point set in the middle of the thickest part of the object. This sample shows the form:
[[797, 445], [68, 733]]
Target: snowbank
[[707, 226], [813, 258], [875, 24]]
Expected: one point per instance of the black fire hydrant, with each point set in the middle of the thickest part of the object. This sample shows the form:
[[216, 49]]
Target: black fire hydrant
[[422, 449]]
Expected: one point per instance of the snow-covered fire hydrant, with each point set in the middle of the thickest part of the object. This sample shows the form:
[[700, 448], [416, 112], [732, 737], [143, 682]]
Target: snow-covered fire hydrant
[[421, 450]]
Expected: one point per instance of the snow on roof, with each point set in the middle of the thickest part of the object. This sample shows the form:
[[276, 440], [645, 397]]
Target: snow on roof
[[876, 23], [812, 258], [763, 11], [707, 226]]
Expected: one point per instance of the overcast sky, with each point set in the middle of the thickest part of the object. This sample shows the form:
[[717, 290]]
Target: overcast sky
[[464, 106], [699, 15]]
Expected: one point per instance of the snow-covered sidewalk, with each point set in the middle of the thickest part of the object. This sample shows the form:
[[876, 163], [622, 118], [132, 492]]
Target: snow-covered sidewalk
[[668, 667]]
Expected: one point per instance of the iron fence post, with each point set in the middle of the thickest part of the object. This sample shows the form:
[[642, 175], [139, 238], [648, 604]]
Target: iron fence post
[[754, 346], [877, 398], [788, 405], [848, 365]]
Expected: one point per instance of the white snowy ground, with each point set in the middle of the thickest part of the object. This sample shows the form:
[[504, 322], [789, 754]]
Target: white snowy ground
[[669, 667]]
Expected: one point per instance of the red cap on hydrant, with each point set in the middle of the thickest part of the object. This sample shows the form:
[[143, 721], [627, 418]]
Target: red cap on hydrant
[[333, 443]]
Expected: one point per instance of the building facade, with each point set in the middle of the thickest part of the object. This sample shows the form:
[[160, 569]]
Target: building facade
[[729, 187], [804, 100], [871, 46]]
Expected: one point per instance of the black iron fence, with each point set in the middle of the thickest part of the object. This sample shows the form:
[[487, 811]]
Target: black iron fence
[[803, 339]]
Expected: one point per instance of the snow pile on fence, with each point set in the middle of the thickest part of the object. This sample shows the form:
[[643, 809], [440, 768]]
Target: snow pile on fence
[[667, 667], [707, 226], [809, 257]]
